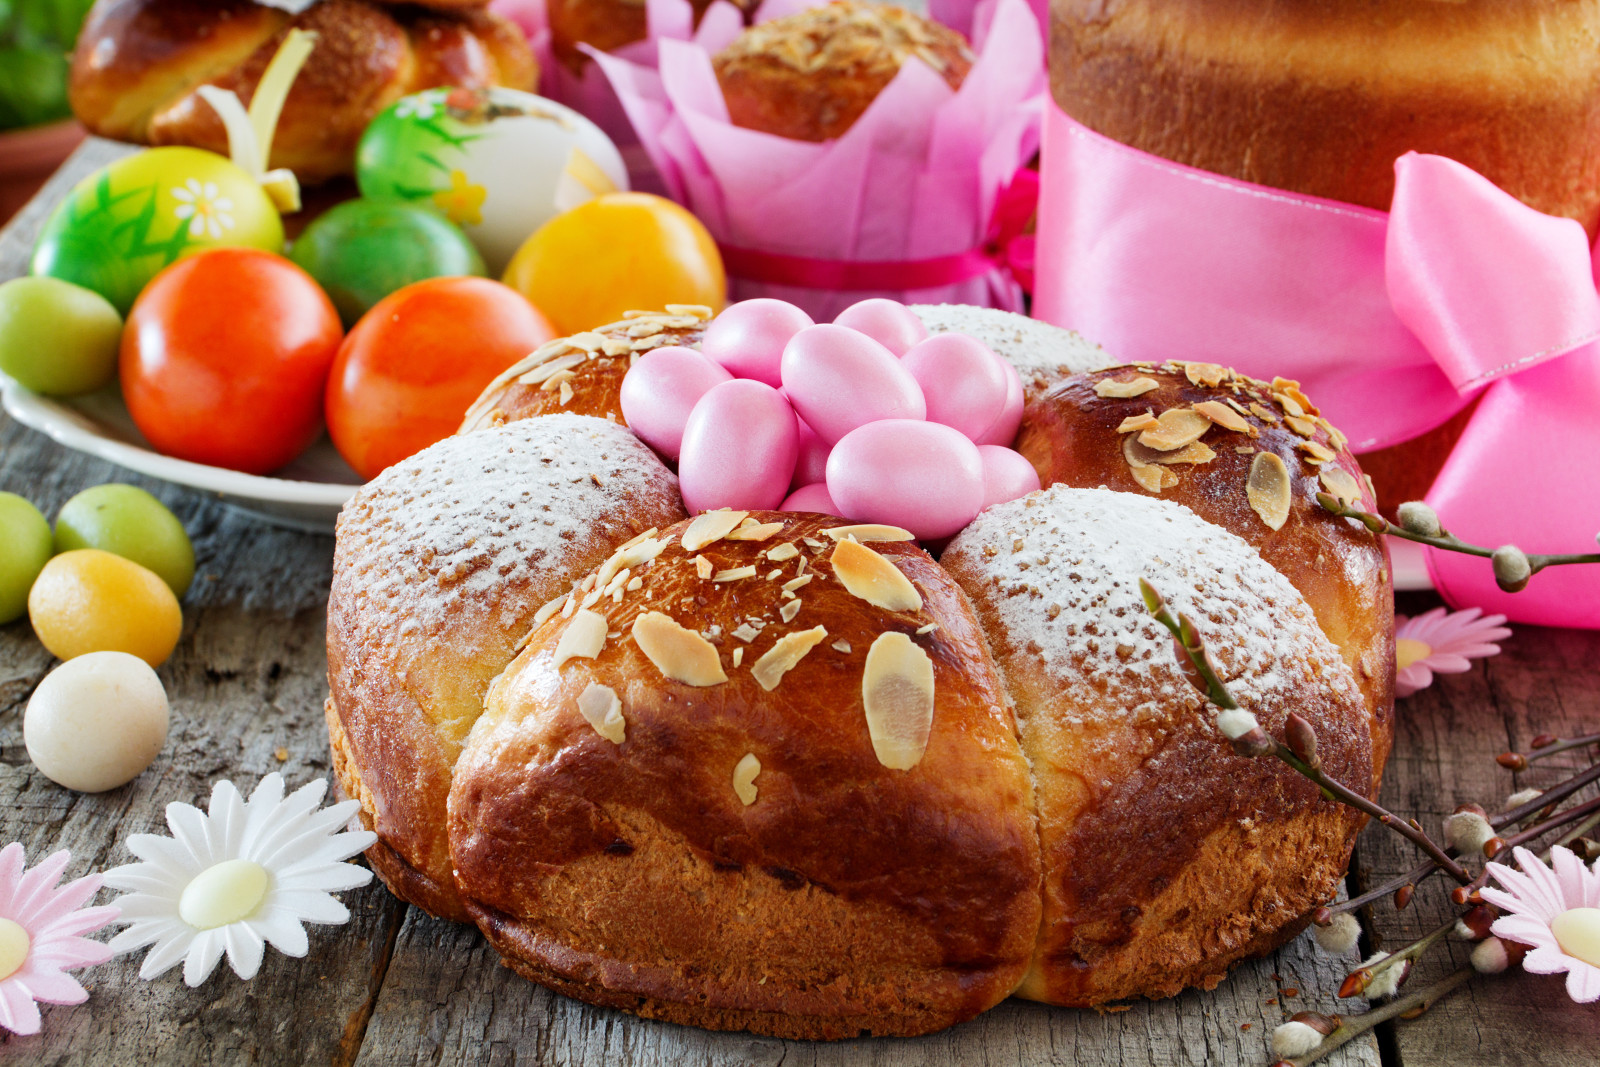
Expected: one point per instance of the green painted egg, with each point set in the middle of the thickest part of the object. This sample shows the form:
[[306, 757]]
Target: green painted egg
[[363, 250], [122, 224]]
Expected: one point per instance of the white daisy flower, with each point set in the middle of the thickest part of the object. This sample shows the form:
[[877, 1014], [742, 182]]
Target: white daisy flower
[[208, 213], [419, 105], [248, 873]]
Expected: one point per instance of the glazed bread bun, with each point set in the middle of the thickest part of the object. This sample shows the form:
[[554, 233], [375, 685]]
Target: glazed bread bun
[[603, 24], [1167, 858], [582, 374], [1042, 354], [810, 75], [1251, 457], [713, 794], [442, 563], [1321, 98], [139, 63]]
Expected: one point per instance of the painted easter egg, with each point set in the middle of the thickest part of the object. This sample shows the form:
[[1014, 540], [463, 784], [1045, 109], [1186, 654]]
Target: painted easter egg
[[889, 322], [499, 163], [1004, 430], [963, 382], [738, 448], [126, 222], [1007, 475], [812, 465], [97, 721], [812, 497], [660, 391], [839, 379], [923, 476], [748, 338]]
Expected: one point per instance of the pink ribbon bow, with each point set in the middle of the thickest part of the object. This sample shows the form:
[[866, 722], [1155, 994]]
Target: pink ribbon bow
[[1393, 322]]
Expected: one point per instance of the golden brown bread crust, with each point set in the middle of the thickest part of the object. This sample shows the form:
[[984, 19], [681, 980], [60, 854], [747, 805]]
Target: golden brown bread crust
[[848, 898], [1167, 858], [139, 63], [1071, 436], [810, 75], [440, 566], [605, 24], [1321, 98], [592, 364]]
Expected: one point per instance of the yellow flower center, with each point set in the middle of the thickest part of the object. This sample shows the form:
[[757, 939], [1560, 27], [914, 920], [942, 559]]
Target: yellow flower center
[[1407, 650], [14, 946], [1578, 933], [223, 893]]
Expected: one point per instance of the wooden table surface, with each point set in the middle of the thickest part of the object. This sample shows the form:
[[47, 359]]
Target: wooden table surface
[[395, 986]]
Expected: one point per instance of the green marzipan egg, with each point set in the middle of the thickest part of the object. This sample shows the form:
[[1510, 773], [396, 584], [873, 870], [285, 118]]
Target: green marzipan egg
[[57, 338], [128, 522], [122, 224], [24, 550], [363, 250]]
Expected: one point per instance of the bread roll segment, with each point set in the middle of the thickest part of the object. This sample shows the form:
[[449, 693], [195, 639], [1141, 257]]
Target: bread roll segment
[[441, 563], [1167, 858], [848, 898]]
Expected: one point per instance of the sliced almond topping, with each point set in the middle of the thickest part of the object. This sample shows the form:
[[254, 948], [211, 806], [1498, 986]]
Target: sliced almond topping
[[704, 567], [1338, 439], [589, 341], [1319, 452], [897, 693], [634, 584], [733, 574], [556, 381], [1207, 374], [744, 778], [1289, 404], [1177, 427], [746, 633], [1244, 450], [1134, 423], [548, 610], [678, 653], [841, 645], [600, 706], [789, 610], [1342, 484], [545, 371], [774, 574], [873, 578], [694, 311], [1263, 412], [1112, 389], [639, 551], [1234, 404], [928, 629], [639, 539], [1223, 416], [785, 551], [738, 655], [800, 568], [795, 583], [754, 531], [1301, 425], [866, 531], [1155, 478], [1268, 489], [781, 657], [583, 638], [566, 393], [708, 528], [1288, 387], [1193, 452]]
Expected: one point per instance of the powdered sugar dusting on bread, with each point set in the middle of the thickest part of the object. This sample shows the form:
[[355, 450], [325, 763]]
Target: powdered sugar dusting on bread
[[1057, 580], [1043, 354]]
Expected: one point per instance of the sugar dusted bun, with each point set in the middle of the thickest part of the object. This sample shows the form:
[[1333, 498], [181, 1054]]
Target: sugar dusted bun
[[139, 63], [1321, 98], [582, 374], [1074, 435], [1043, 354], [442, 563], [1167, 858], [848, 897], [810, 75]]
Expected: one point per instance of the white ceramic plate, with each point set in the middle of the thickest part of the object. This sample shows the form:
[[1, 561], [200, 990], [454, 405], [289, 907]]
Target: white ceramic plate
[[305, 495]]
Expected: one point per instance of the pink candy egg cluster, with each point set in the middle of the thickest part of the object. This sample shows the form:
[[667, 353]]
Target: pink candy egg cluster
[[868, 417]]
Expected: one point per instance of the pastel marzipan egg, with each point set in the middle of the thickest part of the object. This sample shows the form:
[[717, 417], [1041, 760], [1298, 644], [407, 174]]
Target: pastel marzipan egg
[[123, 224], [498, 162], [739, 448], [886, 321], [1007, 474], [660, 391], [812, 497], [922, 476], [962, 381], [1004, 430], [839, 379], [748, 338], [97, 721], [811, 466]]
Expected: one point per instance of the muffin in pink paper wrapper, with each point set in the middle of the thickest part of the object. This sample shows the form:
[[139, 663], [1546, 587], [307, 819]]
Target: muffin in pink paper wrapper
[[918, 201]]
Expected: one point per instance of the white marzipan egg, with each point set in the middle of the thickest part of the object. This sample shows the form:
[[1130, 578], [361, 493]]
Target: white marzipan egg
[[96, 721]]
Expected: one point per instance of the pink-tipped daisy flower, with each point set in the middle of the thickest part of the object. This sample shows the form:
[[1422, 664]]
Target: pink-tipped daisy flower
[[41, 924], [1441, 642], [1556, 911]]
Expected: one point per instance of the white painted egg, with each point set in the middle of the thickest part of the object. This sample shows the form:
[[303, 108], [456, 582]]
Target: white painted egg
[[97, 721]]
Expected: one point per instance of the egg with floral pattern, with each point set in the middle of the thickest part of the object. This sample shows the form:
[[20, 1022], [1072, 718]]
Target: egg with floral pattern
[[126, 222], [498, 162]]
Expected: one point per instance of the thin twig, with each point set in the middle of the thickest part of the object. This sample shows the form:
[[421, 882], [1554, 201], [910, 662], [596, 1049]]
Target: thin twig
[[1353, 1027], [1443, 539]]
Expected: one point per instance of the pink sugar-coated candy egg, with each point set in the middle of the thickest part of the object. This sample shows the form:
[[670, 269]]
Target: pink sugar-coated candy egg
[[1006, 474], [811, 498], [660, 390], [838, 379], [1004, 430], [962, 381], [748, 338], [812, 466], [888, 322], [923, 476], [739, 448]]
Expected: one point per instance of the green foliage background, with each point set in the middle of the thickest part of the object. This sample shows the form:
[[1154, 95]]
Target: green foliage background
[[36, 39]]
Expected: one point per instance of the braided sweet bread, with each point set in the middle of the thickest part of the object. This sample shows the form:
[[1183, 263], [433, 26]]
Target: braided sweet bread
[[775, 772]]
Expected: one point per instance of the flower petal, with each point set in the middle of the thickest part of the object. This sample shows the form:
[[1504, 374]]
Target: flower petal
[[187, 822], [18, 1012], [52, 987], [245, 949], [1547, 959], [1523, 929], [1583, 982], [283, 930], [203, 958], [167, 954]]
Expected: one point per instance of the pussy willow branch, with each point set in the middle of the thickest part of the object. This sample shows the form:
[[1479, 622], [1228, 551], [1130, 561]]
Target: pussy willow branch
[[1518, 761], [1353, 1027]]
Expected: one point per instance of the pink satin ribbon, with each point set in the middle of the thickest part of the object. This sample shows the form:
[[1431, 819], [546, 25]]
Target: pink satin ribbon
[[1392, 321], [1007, 247]]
